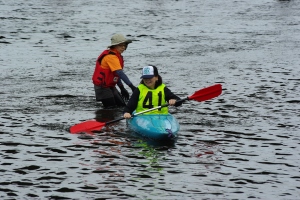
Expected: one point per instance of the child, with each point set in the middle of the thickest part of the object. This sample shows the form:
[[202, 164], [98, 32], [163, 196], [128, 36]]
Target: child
[[150, 93], [109, 73]]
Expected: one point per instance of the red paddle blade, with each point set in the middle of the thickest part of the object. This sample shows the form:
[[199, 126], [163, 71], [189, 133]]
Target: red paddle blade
[[207, 93], [86, 126]]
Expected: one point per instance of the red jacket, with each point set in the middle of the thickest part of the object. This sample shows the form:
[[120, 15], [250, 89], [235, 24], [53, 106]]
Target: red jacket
[[105, 77]]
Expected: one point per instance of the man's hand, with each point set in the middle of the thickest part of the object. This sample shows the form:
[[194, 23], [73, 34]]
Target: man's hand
[[132, 87], [124, 93]]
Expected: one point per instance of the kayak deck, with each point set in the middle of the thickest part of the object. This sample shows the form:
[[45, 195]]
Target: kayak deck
[[155, 126]]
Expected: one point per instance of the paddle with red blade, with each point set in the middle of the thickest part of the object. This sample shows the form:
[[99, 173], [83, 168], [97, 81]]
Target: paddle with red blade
[[200, 95]]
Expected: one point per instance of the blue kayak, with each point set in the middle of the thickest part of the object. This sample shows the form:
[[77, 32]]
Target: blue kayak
[[159, 127]]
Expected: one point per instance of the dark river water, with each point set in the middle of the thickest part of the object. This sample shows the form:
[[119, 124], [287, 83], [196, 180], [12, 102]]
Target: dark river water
[[243, 144]]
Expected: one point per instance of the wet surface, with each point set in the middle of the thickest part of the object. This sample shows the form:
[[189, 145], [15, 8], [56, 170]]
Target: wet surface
[[243, 144]]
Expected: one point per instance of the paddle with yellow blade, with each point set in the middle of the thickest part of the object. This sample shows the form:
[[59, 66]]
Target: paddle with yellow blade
[[200, 95]]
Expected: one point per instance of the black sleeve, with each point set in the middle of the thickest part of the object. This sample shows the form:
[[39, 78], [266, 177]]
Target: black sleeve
[[132, 102], [170, 95], [123, 76]]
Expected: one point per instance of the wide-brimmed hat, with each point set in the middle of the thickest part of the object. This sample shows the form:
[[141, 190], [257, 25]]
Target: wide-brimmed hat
[[149, 72], [118, 39]]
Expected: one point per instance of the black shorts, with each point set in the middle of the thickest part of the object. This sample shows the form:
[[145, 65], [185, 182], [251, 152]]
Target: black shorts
[[103, 93], [109, 96]]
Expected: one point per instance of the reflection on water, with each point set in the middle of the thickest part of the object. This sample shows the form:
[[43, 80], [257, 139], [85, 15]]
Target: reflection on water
[[243, 144], [152, 154]]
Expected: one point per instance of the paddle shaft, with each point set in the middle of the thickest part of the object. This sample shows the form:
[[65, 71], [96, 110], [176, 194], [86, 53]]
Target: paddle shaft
[[145, 111], [200, 95]]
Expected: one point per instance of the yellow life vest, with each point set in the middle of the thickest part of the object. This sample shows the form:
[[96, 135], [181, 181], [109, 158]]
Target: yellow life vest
[[152, 98]]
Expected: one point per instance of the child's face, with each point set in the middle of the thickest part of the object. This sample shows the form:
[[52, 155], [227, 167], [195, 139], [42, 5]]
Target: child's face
[[121, 47], [150, 82]]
